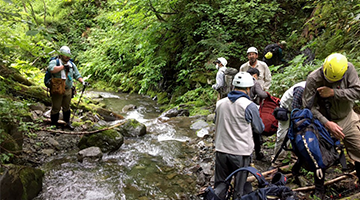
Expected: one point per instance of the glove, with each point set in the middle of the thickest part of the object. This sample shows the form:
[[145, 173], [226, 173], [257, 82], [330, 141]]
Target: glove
[[85, 83], [213, 87]]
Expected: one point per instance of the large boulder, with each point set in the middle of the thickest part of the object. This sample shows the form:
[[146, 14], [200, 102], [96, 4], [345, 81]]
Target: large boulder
[[132, 128], [108, 141], [20, 182]]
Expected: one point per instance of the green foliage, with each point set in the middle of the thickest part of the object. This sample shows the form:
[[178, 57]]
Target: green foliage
[[336, 24], [168, 47], [297, 71]]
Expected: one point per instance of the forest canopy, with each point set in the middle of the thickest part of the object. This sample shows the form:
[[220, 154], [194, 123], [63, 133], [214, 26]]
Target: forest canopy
[[166, 49]]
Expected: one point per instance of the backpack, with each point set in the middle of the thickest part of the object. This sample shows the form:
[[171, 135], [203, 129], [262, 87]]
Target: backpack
[[229, 76], [265, 190], [273, 48], [47, 78], [312, 143], [266, 111]]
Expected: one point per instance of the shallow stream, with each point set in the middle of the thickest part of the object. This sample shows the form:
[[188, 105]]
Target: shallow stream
[[154, 166]]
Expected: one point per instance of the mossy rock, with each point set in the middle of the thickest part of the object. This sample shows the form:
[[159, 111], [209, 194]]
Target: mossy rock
[[9, 144], [132, 128], [20, 182], [107, 141]]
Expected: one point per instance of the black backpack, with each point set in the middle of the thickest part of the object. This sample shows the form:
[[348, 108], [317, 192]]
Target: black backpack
[[276, 189], [273, 48]]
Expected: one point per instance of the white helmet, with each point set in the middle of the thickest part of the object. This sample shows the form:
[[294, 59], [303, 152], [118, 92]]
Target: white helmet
[[252, 50], [223, 61], [243, 80], [65, 50]]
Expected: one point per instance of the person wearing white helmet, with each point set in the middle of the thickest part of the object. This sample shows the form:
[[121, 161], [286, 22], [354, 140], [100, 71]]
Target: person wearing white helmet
[[236, 119], [265, 74], [220, 77], [63, 72]]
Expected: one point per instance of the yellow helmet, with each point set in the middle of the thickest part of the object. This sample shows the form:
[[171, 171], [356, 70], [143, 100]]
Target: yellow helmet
[[268, 55], [335, 66]]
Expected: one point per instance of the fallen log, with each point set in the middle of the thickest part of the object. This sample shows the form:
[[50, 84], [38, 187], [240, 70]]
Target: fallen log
[[267, 173], [327, 182], [354, 196], [83, 132]]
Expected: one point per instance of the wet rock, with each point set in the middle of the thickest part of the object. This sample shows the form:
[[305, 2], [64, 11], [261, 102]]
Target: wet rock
[[20, 182], [206, 168], [199, 125], [108, 141], [210, 118], [109, 115], [175, 112], [132, 128], [128, 108], [201, 178], [38, 106], [91, 153], [202, 132]]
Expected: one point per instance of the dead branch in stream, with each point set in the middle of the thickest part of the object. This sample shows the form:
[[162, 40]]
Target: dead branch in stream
[[83, 132], [267, 173], [327, 182]]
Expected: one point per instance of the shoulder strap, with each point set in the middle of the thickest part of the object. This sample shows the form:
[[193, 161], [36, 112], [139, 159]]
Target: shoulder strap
[[57, 62], [253, 171]]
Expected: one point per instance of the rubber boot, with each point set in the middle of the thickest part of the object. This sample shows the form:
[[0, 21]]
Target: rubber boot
[[67, 120], [54, 119]]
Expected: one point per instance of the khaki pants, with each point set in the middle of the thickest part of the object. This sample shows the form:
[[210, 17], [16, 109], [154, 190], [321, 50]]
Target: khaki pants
[[61, 100], [351, 129]]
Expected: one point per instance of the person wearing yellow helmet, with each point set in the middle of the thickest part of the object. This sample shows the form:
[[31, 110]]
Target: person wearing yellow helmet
[[273, 53], [330, 92], [335, 67], [268, 55]]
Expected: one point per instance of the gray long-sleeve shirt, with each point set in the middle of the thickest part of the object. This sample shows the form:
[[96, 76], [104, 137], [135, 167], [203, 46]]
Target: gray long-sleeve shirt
[[346, 91]]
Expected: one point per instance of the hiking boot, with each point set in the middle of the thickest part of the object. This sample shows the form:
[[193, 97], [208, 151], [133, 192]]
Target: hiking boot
[[67, 120], [54, 119]]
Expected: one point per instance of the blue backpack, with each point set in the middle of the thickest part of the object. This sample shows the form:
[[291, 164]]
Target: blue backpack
[[311, 142], [47, 78], [276, 188]]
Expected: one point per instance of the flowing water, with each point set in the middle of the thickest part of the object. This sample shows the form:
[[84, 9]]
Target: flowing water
[[154, 166]]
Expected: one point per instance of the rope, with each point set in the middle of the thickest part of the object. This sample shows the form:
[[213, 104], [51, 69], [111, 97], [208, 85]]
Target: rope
[[319, 173]]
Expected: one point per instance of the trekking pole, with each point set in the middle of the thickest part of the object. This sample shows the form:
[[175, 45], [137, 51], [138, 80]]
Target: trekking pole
[[282, 147], [82, 92]]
